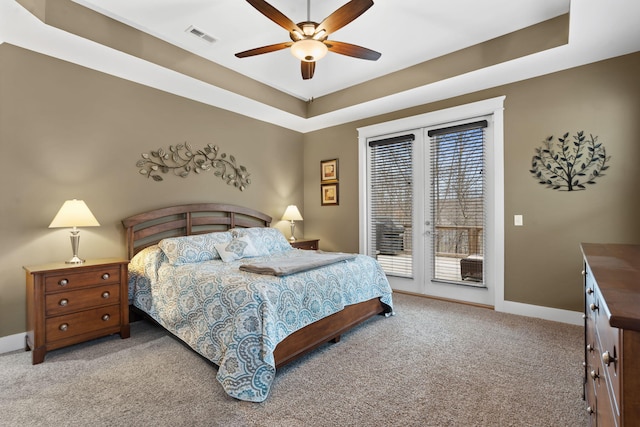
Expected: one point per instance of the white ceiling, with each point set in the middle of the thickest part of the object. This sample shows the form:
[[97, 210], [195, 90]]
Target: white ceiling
[[406, 32]]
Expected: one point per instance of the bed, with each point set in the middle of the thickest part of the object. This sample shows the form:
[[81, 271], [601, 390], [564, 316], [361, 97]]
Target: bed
[[186, 274]]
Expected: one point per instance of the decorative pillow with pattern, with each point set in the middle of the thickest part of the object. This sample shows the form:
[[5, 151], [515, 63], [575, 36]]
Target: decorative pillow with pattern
[[193, 249], [238, 248], [267, 240]]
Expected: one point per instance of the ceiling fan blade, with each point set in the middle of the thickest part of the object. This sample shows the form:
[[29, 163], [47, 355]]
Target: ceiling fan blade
[[275, 15], [264, 49], [349, 49], [308, 69], [344, 15]]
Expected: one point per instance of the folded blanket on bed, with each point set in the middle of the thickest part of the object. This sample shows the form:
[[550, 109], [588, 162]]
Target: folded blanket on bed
[[284, 267]]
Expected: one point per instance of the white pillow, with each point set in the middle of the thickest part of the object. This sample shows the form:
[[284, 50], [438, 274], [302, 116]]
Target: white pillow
[[238, 248]]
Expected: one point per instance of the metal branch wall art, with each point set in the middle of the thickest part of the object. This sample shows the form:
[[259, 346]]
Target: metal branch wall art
[[569, 164], [181, 160]]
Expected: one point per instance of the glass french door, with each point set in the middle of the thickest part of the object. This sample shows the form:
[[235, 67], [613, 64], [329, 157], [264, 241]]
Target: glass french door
[[437, 250], [454, 189]]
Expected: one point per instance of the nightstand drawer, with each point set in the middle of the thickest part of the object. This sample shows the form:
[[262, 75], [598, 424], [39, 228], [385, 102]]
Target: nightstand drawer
[[86, 277], [70, 301], [61, 327]]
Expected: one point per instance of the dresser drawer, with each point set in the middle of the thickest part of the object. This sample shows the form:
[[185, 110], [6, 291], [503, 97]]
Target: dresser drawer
[[79, 279], [592, 350], [608, 339], [80, 299], [70, 325]]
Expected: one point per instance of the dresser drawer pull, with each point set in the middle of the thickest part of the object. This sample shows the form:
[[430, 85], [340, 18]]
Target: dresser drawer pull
[[105, 276], [584, 316], [106, 317], [594, 375], [63, 282], [589, 291], [590, 347], [63, 302], [607, 358], [593, 307], [590, 410], [64, 327], [106, 294]]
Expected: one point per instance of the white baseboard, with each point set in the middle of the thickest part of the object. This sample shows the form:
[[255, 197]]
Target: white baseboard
[[540, 312], [12, 343]]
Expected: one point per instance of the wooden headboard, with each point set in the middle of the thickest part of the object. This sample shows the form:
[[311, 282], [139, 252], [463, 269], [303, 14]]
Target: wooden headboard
[[148, 228]]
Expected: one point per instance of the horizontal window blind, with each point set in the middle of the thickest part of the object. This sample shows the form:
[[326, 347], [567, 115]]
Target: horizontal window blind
[[458, 203], [391, 198]]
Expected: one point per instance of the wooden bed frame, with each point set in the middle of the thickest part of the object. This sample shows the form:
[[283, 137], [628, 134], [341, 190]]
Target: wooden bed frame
[[149, 228]]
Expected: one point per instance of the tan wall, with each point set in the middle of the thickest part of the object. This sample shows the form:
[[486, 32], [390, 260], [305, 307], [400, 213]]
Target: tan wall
[[542, 262], [70, 132]]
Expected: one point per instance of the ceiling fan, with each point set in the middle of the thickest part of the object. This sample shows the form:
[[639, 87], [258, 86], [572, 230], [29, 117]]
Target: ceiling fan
[[309, 39]]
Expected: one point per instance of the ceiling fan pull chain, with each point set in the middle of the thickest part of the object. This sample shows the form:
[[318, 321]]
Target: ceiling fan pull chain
[[308, 10]]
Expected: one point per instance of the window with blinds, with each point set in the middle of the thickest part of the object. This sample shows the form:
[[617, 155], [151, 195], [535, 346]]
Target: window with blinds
[[458, 203], [391, 203]]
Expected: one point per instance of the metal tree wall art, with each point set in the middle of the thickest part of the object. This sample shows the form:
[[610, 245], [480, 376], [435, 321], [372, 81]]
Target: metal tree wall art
[[569, 164], [181, 160]]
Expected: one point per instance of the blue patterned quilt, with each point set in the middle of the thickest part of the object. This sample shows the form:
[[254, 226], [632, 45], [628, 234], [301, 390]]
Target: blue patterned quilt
[[236, 319]]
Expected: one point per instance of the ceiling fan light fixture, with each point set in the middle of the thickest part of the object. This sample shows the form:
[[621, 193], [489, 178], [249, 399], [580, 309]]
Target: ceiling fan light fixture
[[309, 50]]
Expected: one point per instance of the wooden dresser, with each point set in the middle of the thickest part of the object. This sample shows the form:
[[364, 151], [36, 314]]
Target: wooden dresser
[[71, 303], [612, 333]]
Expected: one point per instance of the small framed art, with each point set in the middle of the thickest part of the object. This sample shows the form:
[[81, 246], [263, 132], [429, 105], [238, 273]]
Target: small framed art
[[329, 170], [329, 194]]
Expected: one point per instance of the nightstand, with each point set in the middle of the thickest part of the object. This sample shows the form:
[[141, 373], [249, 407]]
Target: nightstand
[[72, 303], [307, 244]]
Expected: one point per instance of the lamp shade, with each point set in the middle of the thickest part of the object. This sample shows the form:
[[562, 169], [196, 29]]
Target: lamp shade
[[309, 50], [74, 213], [292, 214]]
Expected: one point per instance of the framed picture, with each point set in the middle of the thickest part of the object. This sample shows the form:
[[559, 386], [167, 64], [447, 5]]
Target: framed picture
[[329, 170], [329, 194]]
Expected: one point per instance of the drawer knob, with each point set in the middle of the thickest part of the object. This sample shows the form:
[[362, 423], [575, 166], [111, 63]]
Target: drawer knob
[[594, 375], [589, 347], [607, 358], [589, 291], [63, 282], [106, 294], [593, 307], [64, 327], [106, 317], [105, 276], [584, 316], [589, 410], [63, 302]]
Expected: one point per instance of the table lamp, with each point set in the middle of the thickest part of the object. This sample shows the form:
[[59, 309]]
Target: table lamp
[[292, 214], [74, 213]]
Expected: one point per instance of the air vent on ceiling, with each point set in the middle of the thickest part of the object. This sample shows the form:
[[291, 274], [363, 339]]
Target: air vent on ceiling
[[201, 34]]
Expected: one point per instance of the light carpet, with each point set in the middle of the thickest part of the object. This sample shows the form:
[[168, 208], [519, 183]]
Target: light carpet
[[434, 363]]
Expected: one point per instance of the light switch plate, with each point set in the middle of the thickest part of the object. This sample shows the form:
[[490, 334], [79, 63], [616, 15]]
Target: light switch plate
[[517, 220]]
